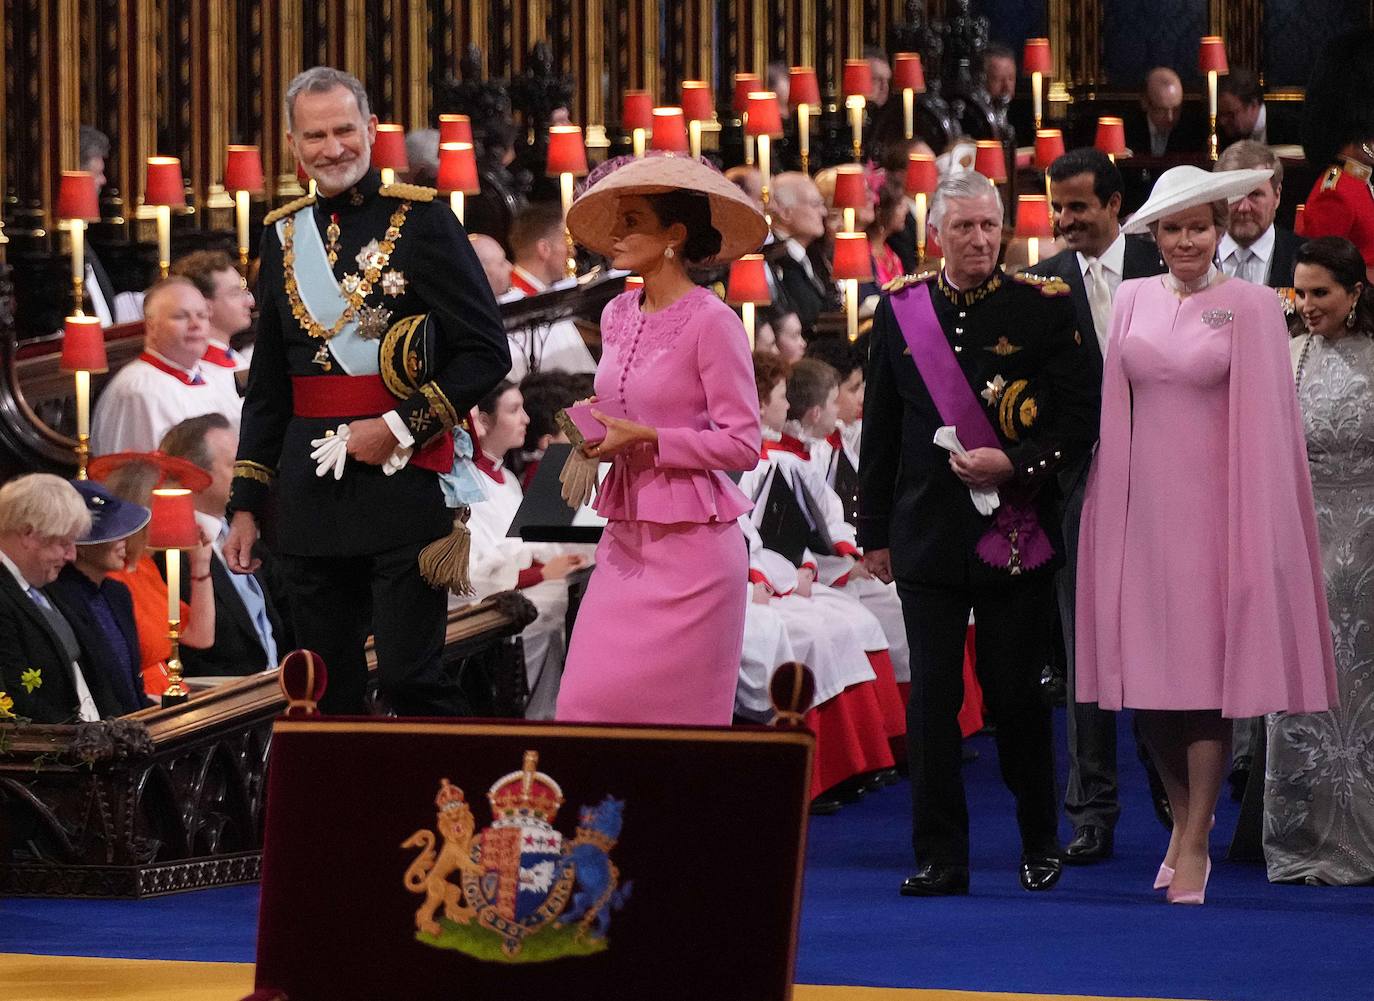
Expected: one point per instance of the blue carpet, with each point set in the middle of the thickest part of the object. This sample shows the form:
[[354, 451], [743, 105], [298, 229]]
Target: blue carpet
[[1101, 932]]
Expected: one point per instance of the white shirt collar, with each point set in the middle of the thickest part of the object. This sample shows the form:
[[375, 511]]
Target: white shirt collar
[[1113, 258], [1263, 248], [795, 250], [13, 568], [1261, 124]]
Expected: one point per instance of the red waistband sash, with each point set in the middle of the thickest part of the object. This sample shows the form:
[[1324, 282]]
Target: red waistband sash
[[343, 397]]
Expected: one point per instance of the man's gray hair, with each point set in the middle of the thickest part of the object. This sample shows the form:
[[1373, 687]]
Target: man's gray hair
[[43, 504], [1246, 154], [320, 80], [788, 188], [91, 143], [965, 184]]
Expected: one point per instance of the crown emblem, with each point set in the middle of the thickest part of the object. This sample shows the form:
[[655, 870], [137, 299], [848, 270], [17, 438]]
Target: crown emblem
[[527, 793], [450, 797]]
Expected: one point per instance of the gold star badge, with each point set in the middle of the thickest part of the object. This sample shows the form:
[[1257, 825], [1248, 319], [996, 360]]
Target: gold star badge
[[393, 283], [994, 390], [372, 322], [369, 256]]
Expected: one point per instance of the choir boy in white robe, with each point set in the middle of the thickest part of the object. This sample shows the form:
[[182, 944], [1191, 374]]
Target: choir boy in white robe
[[538, 571]]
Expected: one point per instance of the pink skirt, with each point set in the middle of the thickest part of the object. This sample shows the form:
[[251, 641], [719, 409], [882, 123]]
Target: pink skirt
[[660, 630]]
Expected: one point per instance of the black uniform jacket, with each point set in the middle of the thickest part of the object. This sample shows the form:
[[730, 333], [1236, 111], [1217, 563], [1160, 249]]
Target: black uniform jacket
[[432, 270], [909, 499]]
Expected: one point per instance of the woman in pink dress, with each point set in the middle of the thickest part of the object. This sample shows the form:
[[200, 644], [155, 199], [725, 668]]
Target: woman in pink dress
[[660, 630], [1200, 595]]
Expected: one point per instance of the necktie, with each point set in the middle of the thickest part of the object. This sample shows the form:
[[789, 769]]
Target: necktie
[[1246, 262], [1100, 302], [254, 602], [86, 708]]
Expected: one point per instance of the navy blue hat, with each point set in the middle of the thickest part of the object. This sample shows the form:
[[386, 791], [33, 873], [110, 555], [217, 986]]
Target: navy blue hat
[[111, 518]]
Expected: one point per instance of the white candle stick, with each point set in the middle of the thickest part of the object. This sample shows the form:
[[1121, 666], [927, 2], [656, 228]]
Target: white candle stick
[[637, 139], [746, 310], [1037, 88], [164, 238], [83, 403], [921, 226], [851, 295], [173, 586], [78, 252], [241, 220], [388, 175], [909, 111], [804, 131], [455, 202], [1033, 250], [694, 137]]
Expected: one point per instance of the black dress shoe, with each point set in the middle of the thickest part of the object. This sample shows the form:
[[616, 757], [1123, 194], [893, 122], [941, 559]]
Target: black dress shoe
[[1039, 871], [1090, 844], [936, 880], [825, 804]]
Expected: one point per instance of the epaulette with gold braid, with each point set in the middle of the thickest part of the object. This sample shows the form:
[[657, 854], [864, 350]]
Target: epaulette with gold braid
[[904, 281], [1049, 285], [409, 192], [1331, 179], [290, 208]]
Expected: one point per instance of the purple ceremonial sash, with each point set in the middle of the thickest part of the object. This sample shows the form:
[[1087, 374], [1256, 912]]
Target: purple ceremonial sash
[[1015, 540]]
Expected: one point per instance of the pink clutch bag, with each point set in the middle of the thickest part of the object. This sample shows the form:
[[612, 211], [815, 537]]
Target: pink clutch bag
[[581, 427]]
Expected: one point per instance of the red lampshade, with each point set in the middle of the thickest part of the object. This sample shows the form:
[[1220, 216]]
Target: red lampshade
[[852, 257], [697, 103], [748, 282], [77, 197], [457, 169], [243, 169], [1298, 216], [164, 184], [803, 86], [670, 130], [567, 153], [1036, 57], [173, 525], [1033, 217], [1212, 54], [389, 149], [921, 174], [1049, 146], [744, 83], [858, 78], [638, 110], [991, 160], [907, 72], [83, 345], [851, 187], [765, 117], [1111, 135], [455, 129]]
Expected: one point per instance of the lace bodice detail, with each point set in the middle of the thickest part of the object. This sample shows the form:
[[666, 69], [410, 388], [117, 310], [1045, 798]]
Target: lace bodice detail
[[643, 336], [1337, 397]]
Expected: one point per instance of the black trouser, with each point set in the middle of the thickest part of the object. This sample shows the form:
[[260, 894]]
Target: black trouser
[[337, 601], [1011, 637]]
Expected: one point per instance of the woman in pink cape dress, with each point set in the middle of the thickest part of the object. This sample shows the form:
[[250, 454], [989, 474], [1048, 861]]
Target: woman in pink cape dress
[[659, 633], [1200, 594]]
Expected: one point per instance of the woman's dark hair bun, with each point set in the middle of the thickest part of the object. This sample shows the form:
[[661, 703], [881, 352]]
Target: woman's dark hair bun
[[693, 210]]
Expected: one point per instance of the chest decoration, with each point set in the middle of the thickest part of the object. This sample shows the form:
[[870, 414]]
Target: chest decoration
[[1003, 347], [393, 283], [994, 390], [373, 322], [1216, 317], [373, 258]]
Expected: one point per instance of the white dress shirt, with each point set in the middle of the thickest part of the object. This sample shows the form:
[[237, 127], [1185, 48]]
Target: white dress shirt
[[1113, 262]]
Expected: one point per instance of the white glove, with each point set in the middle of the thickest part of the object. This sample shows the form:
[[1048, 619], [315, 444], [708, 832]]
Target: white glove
[[397, 460], [986, 499], [331, 451]]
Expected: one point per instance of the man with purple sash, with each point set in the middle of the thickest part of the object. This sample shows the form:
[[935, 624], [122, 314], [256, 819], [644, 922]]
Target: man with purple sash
[[998, 359]]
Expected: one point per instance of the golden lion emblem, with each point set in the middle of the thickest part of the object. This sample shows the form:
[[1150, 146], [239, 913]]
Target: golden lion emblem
[[430, 871]]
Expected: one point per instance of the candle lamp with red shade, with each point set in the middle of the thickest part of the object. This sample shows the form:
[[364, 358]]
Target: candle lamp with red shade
[[909, 77], [747, 288], [1212, 61], [922, 176], [851, 193], [1033, 224], [1049, 146], [242, 176], [389, 152], [77, 204], [857, 85], [670, 131], [744, 83], [697, 106], [990, 160], [83, 352], [567, 159], [804, 91], [173, 529], [165, 190], [1110, 137], [637, 117], [1037, 63], [765, 123], [457, 174], [851, 264]]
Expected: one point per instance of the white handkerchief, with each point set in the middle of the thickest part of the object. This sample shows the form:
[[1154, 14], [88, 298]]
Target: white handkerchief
[[986, 500]]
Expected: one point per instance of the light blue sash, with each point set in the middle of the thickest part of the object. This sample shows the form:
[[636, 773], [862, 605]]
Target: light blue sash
[[325, 301]]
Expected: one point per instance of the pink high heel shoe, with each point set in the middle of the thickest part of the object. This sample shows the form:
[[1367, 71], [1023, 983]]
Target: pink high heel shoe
[[1164, 877], [1192, 896]]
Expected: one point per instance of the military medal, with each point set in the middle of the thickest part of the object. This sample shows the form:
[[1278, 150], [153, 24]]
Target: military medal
[[371, 256], [393, 283], [331, 233], [350, 283], [372, 322], [322, 358], [994, 391]]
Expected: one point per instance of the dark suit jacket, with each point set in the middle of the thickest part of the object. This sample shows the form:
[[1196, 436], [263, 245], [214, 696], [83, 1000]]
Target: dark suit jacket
[[1189, 134], [1281, 264], [71, 594], [806, 296], [237, 649], [28, 642]]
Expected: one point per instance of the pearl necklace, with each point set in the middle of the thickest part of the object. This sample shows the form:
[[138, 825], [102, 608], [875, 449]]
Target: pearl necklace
[[1180, 287]]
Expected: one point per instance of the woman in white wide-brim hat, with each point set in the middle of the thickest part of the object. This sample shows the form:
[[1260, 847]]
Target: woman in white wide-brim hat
[[660, 629], [1200, 594]]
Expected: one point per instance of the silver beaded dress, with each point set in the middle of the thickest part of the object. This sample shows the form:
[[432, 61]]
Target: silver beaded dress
[[1319, 776]]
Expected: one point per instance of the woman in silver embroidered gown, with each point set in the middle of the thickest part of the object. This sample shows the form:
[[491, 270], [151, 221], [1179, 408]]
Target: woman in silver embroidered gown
[[1319, 779]]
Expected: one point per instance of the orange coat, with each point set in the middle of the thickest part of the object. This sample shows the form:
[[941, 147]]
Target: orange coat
[[149, 592]]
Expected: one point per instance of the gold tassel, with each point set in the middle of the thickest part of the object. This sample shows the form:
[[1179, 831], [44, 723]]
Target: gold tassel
[[444, 562]]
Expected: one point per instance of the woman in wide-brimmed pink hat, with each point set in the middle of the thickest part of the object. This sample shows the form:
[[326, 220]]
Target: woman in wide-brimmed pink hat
[[659, 632]]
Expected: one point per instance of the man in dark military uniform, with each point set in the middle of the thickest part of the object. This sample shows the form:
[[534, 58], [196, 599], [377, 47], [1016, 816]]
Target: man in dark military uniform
[[1000, 360], [342, 274]]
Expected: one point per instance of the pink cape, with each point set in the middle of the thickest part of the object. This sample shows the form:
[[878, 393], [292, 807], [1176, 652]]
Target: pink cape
[[1277, 635]]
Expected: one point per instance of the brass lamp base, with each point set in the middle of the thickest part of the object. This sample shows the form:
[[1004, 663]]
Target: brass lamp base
[[175, 694]]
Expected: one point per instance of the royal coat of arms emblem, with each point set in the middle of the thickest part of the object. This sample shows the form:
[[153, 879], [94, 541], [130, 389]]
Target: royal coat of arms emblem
[[518, 891]]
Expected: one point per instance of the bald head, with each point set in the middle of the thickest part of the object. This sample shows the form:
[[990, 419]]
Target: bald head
[[493, 261], [1163, 98], [798, 208], [176, 320]]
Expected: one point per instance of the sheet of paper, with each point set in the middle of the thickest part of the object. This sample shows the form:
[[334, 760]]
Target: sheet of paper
[[985, 500]]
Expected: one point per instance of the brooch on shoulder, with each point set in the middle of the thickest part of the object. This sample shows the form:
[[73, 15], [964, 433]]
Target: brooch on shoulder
[[1216, 317]]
